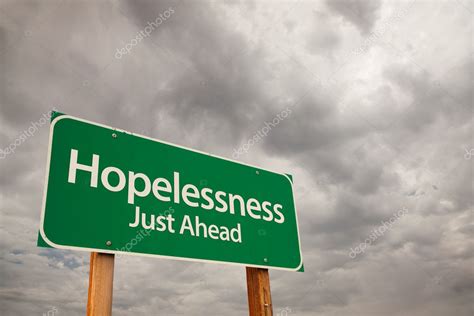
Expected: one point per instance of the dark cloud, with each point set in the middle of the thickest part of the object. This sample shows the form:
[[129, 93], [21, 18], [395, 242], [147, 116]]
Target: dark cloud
[[378, 130], [325, 38], [363, 14], [215, 83]]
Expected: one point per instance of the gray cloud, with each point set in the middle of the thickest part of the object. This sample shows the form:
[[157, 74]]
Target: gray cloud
[[379, 130], [363, 14]]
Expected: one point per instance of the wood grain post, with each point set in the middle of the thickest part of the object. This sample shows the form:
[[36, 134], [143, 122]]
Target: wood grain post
[[101, 280], [258, 291]]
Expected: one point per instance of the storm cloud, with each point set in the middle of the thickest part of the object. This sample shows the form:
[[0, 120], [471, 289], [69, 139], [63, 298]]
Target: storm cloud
[[381, 102]]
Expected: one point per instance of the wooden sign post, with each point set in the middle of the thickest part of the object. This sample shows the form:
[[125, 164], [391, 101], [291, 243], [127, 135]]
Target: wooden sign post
[[258, 291], [101, 280]]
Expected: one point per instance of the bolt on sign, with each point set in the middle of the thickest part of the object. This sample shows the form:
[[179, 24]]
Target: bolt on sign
[[112, 191]]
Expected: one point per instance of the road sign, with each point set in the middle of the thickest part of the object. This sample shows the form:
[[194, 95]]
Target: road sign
[[112, 191]]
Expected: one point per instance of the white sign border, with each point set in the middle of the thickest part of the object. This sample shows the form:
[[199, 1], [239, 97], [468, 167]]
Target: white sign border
[[57, 246]]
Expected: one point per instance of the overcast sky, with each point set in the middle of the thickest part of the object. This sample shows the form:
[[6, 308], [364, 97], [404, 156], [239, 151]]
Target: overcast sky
[[381, 102]]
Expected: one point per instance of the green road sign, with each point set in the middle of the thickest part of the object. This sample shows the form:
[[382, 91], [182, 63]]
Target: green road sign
[[112, 191]]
